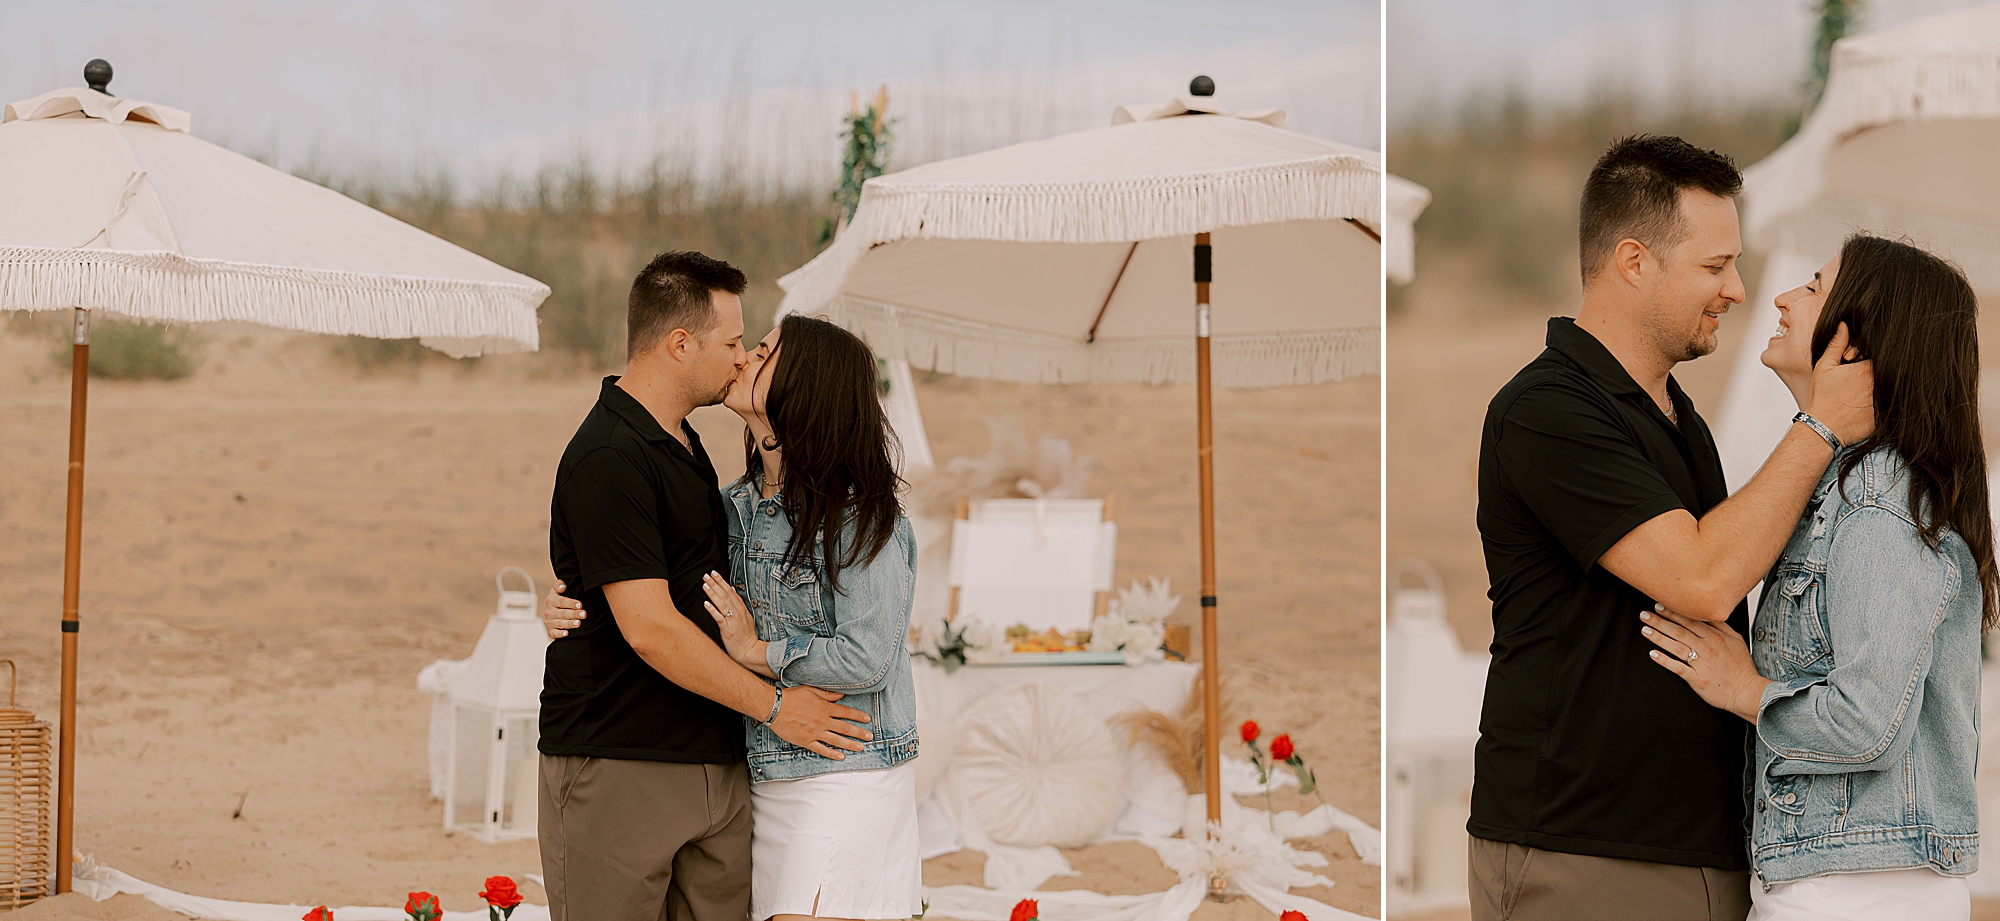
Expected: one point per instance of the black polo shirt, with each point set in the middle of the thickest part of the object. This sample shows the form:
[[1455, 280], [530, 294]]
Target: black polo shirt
[[632, 503], [1586, 746]]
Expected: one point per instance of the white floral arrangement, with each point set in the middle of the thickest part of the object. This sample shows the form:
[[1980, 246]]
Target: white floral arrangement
[[1135, 622], [952, 645]]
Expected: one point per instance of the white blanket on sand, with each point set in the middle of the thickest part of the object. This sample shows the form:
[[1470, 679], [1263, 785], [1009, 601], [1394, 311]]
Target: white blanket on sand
[[102, 882], [1256, 860], [1253, 855]]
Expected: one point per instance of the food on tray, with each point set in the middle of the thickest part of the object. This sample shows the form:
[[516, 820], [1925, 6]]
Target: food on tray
[[1051, 641]]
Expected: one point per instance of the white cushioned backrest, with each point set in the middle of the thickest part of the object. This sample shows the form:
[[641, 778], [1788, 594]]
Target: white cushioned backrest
[[1038, 562], [1036, 767]]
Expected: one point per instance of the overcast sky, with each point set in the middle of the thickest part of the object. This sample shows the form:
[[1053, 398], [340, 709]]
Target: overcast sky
[[1713, 52], [391, 86]]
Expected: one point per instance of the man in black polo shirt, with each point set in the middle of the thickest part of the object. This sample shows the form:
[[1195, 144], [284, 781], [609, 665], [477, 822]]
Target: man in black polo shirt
[[644, 798], [1604, 788]]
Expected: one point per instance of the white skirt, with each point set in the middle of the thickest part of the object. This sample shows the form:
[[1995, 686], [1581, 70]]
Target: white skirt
[[1888, 895], [844, 842]]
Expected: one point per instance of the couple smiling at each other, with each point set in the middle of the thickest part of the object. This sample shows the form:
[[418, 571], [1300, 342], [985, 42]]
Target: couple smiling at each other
[[1638, 757]]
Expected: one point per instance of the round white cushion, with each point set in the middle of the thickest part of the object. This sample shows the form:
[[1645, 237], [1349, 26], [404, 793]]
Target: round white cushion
[[1036, 767]]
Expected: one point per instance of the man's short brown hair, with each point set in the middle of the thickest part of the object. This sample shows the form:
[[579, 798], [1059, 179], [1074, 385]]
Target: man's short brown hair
[[1634, 192], [676, 291]]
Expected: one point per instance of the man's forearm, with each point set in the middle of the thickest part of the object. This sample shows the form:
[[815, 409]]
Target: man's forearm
[[670, 643], [1743, 536], [1703, 568], [698, 665]]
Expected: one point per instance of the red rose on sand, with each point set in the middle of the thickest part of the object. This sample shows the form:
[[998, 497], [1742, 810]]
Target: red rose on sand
[[422, 906], [500, 892], [321, 913], [1292, 915], [1026, 910], [1249, 730], [1281, 749]]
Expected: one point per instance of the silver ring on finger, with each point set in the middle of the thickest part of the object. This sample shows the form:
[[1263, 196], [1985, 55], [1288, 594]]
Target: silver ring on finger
[[1692, 655]]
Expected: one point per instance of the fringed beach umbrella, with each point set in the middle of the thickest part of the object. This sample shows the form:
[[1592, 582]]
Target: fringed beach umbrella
[[112, 204], [1090, 256], [1902, 144], [1405, 202]]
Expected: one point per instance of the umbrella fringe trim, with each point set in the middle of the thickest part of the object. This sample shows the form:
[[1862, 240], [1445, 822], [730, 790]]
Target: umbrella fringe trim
[[952, 346], [1324, 188], [1866, 90], [461, 318]]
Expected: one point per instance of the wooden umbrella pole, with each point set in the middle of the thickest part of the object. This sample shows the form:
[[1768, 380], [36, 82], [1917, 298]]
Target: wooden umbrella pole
[[1211, 696], [79, 391]]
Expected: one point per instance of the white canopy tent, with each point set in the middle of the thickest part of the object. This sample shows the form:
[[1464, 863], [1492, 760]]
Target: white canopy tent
[[114, 205], [1903, 143]]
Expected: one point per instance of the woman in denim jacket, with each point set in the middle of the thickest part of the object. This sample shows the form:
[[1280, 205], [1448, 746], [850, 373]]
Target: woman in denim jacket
[[819, 547], [1862, 670]]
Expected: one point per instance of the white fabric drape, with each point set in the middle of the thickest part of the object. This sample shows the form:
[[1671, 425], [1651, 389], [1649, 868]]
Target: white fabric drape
[[102, 882]]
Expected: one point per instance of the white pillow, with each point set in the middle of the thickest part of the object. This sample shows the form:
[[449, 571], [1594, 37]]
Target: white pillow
[[1036, 767]]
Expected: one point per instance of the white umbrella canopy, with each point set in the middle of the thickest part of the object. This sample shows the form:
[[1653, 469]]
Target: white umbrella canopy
[[111, 204], [1078, 258], [1902, 144], [1067, 260], [1406, 202]]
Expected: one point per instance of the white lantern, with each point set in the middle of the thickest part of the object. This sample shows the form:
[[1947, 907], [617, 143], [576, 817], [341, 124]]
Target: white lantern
[[496, 706], [1434, 690]]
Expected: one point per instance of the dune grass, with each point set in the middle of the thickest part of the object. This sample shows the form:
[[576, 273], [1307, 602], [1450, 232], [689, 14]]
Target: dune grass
[[119, 349], [586, 235]]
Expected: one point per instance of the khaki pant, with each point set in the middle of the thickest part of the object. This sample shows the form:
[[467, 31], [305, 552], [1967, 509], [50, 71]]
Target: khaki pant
[[1514, 882], [644, 840]]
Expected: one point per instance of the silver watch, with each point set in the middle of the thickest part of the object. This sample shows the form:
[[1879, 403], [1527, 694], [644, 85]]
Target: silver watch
[[1806, 419], [777, 700]]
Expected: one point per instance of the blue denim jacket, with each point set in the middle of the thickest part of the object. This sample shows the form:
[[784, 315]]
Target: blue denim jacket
[[850, 642], [1868, 735]]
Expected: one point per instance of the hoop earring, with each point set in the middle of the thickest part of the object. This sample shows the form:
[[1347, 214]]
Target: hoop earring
[[770, 443]]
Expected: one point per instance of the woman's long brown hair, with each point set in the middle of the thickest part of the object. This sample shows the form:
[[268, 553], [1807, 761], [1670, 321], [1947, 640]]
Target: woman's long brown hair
[[826, 414], [1916, 317]]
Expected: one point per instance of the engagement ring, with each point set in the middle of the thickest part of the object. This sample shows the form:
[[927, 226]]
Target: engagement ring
[[1692, 655]]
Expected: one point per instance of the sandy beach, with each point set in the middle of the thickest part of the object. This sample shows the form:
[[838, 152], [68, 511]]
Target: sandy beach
[[275, 546]]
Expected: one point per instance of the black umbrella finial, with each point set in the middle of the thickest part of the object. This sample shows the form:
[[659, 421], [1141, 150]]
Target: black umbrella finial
[[97, 74], [1201, 86]]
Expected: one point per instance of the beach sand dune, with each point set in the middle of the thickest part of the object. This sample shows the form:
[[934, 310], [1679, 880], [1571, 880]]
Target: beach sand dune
[[275, 546]]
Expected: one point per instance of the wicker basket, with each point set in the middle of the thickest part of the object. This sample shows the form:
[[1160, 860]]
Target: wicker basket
[[25, 791]]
